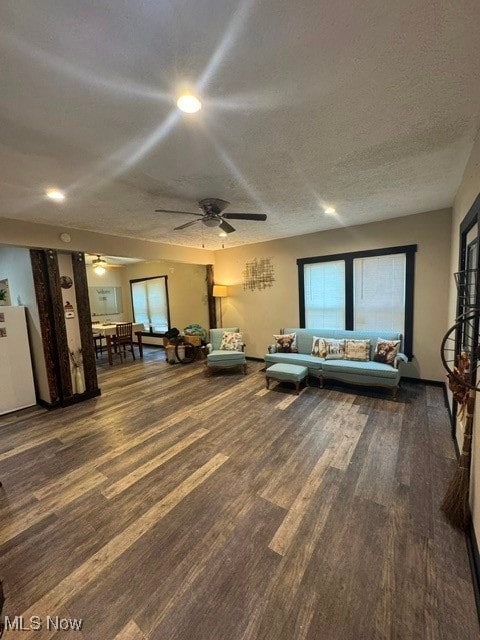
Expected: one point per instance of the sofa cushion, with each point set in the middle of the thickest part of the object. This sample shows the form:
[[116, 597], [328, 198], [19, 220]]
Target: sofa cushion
[[286, 343], [370, 368], [221, 355], [357, 350], [386, 350]]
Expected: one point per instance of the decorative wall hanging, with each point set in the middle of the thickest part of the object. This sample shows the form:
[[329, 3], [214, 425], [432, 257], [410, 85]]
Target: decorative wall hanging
[[66, 282], [4, 293], [258, 274]]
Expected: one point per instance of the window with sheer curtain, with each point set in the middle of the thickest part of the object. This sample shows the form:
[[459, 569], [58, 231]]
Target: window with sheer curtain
[[370, 290], [150, 303]]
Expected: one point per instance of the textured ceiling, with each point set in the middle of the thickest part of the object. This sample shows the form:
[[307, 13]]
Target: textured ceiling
[[369, 106]]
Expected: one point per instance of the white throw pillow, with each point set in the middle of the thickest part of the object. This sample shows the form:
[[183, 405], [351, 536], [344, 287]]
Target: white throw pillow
[[231, 341], [318, 347]]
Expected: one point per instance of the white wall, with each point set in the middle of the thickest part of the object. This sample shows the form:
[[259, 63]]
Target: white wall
[[260, 314], [71, 324], [468, 191], [15, 265]]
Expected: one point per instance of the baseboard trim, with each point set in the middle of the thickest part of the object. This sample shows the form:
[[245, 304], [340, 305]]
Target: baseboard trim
[[67, 402], [433, 383], [474, 560]]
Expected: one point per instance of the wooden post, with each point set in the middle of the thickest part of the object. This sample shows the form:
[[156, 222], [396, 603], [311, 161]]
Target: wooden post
[[212, 312]]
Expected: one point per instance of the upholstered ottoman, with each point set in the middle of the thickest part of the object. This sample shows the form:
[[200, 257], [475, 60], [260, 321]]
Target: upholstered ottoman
[[286, 373]]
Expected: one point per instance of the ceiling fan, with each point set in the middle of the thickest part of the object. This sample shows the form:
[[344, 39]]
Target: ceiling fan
[[212, 215], [101, 263]]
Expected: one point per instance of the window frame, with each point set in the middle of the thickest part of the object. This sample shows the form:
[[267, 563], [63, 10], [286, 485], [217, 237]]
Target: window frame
[[409, 251], [159, 334]]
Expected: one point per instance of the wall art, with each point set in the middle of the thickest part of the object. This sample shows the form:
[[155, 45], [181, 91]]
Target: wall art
[[258, 274]]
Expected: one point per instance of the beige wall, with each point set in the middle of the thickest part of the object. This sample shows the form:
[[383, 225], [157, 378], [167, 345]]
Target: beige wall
[[28, 234], [468, 191], [187, 290], [261, 313], [15, 265]]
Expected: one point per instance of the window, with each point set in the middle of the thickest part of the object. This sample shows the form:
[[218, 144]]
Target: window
[[370, 290], [379, 293], [150, 303], [325, 295]]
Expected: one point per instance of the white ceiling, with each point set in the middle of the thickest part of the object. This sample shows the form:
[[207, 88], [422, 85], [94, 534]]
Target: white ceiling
[[368, 105]]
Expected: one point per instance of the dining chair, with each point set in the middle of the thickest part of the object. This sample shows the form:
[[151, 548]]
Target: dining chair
[[122, 339], [98, 344]]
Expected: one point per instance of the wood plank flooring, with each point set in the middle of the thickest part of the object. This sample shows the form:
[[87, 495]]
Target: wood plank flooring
[[184, 507]]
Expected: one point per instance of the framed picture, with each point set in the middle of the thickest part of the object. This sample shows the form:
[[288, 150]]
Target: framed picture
[[4, 293]]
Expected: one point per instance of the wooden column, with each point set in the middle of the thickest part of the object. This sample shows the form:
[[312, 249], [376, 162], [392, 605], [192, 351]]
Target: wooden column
[[46, 278], [212, 312], [85, 322]]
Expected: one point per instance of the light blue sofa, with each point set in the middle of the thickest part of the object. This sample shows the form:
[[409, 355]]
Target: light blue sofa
[[374, 374]]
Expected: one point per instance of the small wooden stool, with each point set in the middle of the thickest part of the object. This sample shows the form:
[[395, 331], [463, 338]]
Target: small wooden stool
[[286, 373]]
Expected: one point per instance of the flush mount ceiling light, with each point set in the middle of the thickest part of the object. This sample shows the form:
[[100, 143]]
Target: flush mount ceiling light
[[56, 195], [189, 104], [330, 210]]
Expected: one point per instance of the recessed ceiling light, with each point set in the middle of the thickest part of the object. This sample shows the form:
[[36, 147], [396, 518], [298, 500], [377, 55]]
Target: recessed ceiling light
[[56, 194], [189, 104], [330, 210], [223, 234]]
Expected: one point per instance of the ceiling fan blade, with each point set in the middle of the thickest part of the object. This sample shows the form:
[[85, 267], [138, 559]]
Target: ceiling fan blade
[[184, 226], [188, 213], [224, 226], [245, 216]]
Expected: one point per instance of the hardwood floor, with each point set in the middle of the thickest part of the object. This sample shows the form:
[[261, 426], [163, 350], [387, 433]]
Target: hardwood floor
[[184, 507]]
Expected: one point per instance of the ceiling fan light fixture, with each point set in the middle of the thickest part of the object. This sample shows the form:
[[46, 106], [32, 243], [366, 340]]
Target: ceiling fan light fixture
[[189, 104], [330, 210], [211, 222], [56, 195], [223, 234], [99, 270]]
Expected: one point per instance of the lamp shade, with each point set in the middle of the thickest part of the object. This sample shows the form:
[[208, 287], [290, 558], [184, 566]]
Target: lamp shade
[[219, 291]]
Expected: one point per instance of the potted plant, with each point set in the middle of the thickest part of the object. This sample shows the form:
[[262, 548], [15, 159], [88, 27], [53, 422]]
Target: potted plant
[[3, 297]]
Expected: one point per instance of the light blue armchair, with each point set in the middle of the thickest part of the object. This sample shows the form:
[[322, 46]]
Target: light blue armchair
[[220, 358]]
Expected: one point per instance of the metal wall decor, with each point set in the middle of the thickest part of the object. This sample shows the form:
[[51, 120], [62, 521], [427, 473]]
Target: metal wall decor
[[258, 274]]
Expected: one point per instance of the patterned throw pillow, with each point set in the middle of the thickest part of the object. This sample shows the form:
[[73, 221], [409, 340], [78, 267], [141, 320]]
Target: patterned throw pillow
[[286, 343], [357, 350], [335, 349], [386, 351], [318, 347], [231, 341]]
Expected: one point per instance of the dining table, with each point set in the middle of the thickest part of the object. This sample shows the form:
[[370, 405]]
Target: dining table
[[108, 330]]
